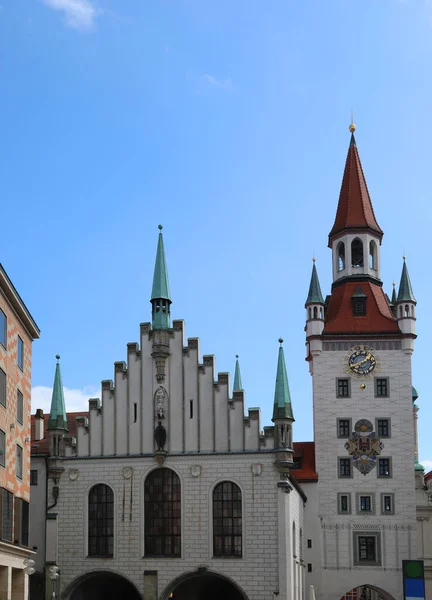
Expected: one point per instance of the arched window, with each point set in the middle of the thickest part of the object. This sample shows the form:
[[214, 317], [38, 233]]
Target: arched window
[[310, 313], [294, 541], [315, 313], [162, 513], [400, 311], [373, 255], [321, 313], [227, 519], [406, 310], [357, 253], [341, 256], [101, 521]]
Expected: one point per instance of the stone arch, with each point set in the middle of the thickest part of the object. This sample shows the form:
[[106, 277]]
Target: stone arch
[[106, 584], [201, 581], [379, 592]]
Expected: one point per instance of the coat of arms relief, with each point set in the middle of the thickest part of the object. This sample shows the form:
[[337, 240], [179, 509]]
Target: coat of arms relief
[[364, 446]]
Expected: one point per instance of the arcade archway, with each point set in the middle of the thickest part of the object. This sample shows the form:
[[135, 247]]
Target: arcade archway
[[102, 584], [367, 592], [203, 585]]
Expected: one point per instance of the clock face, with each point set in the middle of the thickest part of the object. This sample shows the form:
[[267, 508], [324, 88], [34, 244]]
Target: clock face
[[362, 361]]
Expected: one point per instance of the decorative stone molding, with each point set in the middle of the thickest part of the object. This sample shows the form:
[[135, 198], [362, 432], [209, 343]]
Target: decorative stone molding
[[238, 396], [160, 457], [160, 402], [107, 385], [256, 469], [201, 369], [73, 474], [208, 360], [223, 378], [186, 351], [145, 328], [178, 325], [285, 486], [193, 343], [120, 366], [82, 421], [254, 414], [95, 404], [195, 470], [127, 472]]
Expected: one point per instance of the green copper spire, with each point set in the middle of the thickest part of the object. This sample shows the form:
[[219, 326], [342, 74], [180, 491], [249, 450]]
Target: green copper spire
[[405, 290], [160, 297], [394, 297], [57, 418], [282, 408], [417, 465], [314, 295], [237, 377]]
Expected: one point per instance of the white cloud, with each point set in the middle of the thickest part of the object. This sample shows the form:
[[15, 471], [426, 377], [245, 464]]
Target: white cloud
[[217, 83], [75, 400], [79, 14], [427, 463]]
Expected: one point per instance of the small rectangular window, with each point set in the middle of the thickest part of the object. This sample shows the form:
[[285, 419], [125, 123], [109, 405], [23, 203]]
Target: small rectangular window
[[135, 412], [20, 354], [344, 467], [2, 387], [384, 467], [3, 329], [33, 477], [309, 567], [20, 407], [343, 388], [344, 428], [365, 503], [190, 409], [2, 448], [366, 548], [383, 428], [297, 464], [381, 387], [387, 504], [344, 503], [309, 543], [19, 461]]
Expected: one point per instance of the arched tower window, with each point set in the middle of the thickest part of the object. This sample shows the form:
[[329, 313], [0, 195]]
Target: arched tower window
[[101, 521], [407, 310], [315, 312], [341, 256], [321, 313], [357, 253], [162, 513], [227, 520], [373, 255], [310, 313]]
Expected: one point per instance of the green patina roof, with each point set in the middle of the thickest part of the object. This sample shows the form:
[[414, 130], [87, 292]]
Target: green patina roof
[[405, 290], [160, 287], [418, 466], [414, 393], [314, 295], [57, 418], [282, 408], [393, 296], [237, 377]]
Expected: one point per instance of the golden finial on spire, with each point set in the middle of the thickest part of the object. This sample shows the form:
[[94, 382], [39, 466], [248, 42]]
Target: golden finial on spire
[[313, 259], [352, 126]]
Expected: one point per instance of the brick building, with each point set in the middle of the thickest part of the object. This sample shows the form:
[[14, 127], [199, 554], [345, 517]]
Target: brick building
[[17, 332], [165, 489]]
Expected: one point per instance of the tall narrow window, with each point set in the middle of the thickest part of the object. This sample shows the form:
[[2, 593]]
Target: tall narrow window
[[20, 354], [20, 407], [6, 515], [101, 521], [135, 412], [2, 387], [21, 522], [3, 329], [227, 520], [2, 448], [357, 253], [190, 409], [294, 541], [373, 255], [341, 256], [19, 461], [162, 511]]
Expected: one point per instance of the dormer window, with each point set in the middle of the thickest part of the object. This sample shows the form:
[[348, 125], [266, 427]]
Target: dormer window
[[359, 302]]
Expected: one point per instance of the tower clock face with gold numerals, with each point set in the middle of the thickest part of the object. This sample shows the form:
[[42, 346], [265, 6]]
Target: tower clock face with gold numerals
[[361, 361]]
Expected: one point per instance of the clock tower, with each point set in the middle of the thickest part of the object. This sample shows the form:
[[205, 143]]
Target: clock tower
[[359, 353]]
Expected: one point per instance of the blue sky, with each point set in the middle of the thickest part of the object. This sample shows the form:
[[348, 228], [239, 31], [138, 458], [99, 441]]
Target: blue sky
[[228, 123]]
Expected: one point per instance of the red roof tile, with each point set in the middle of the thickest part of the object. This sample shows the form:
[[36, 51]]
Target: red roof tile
[[428, 477], [307, 473], [42, 446], [355, 210], [339, 316]]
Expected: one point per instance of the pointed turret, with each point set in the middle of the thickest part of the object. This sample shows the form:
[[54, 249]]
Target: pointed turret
[[355, 210], [160, 298], [237, 377], [282, 408], [57, 419], [405, 289], [393, 296], [314, 295]]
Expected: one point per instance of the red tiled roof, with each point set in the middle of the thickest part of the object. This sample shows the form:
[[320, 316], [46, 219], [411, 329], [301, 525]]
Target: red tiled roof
[[339, 315], [42, 446], [428, 476], [355, 210], [307, 473]]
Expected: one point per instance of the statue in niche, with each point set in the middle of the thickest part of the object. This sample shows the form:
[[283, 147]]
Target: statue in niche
[[160, 396], [160, 436]]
